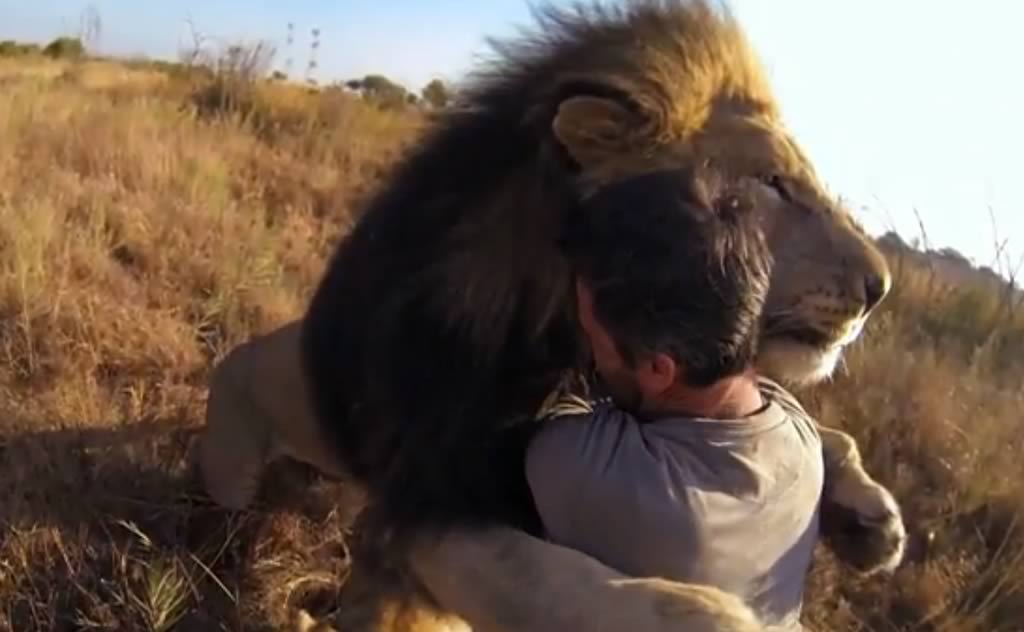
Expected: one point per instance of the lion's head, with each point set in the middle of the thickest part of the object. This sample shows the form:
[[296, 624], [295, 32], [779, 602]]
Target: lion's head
[[618, 92]]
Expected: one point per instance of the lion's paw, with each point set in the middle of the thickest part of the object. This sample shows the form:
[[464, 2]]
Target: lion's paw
[[862, 522]]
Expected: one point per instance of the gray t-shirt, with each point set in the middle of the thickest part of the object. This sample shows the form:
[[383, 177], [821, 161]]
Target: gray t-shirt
[[730, 503]]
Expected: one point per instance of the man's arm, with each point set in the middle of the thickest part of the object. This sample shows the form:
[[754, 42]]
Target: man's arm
[[611, 487], [583, 471]]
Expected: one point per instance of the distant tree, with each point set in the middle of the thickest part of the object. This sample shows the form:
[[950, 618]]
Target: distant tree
[[10, 48], [65, 48], [380, 91], [989, 273], [953, 254], [379, 85], [893, 241], [436, 94]]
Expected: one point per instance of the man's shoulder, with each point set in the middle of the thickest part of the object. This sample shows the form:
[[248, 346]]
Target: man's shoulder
[[573, 428], [777, 393], [805, 424], [579, 449], [583, 465]]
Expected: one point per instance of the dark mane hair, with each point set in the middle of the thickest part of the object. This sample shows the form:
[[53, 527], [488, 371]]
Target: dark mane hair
[[444, 318]]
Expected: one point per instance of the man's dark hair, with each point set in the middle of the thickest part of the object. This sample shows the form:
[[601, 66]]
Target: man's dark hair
[[677, 264]]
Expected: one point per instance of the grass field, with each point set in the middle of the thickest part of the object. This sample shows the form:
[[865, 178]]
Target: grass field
[[141, 237]]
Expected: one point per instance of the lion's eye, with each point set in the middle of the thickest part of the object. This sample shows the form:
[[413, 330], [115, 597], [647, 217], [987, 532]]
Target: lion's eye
[[732, 203], [780, 185]]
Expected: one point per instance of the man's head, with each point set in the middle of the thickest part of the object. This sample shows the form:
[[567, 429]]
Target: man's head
[[671, 282]]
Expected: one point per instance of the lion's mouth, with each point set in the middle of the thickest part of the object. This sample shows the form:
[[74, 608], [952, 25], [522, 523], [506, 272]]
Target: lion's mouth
[[798, 355], [785, 329], [806, 336]]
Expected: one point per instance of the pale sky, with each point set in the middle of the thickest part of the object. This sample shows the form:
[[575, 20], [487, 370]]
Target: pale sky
[[900, 103]]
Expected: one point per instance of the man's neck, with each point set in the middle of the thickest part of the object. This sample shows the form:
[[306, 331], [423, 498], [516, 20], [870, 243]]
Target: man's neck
[[730, 398]]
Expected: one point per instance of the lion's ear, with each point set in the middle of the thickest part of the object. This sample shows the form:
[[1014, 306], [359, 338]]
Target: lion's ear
[[594, 128]]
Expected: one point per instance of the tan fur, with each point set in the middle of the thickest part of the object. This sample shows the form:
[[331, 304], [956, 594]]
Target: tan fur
[[690, 92], [256, 412], [503, 580]]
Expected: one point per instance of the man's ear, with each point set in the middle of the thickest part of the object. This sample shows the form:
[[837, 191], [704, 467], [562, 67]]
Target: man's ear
[[658, 372], [594, 128]]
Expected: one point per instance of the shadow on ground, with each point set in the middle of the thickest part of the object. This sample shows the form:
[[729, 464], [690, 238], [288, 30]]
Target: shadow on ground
[[109, 528]]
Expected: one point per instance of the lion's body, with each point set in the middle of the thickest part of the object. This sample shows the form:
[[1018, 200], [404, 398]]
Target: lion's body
[[446, 316], [497, 580]]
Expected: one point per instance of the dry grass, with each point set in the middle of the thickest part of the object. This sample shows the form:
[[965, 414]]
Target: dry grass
[[934, 395], [142, 233], [138, 241]]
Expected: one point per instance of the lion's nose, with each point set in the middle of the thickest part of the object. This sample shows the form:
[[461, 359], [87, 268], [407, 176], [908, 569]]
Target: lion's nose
[[875, 289]]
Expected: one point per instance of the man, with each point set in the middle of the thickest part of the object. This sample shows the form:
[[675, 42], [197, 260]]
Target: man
[[699, 472]]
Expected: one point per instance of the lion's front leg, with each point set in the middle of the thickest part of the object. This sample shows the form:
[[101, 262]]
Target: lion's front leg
[[861, 520], [504, 580], [258, 410]]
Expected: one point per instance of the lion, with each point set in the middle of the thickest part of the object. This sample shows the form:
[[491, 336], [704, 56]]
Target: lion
[[445, 319]]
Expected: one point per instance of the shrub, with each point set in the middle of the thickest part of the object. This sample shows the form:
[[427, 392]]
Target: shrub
[[10, 48], [65, 48], [231, 88]]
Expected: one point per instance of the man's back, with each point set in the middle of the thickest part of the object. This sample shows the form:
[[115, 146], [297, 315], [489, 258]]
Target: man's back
[[731, 503]]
